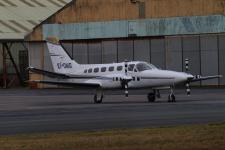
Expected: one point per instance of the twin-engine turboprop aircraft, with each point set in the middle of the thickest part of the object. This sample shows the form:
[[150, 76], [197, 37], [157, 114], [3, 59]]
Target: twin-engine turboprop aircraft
[[124, 75]]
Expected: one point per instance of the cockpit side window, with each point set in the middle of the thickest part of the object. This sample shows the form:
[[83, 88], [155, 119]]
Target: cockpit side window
[[131, 67], [144, 66]]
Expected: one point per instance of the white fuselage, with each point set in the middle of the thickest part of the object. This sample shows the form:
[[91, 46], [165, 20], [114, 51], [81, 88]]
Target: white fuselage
[[110, 75]]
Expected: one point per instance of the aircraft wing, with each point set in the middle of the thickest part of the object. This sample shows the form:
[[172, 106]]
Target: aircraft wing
[[201, 78], [48, 73], [62, 76], [69, 84]]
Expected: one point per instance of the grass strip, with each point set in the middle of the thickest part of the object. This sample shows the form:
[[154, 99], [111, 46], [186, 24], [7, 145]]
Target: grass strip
[[195, 137]]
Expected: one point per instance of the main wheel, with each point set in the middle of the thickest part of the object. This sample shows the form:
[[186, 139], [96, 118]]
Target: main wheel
[[151, 97], [98, 100], [171, 98]]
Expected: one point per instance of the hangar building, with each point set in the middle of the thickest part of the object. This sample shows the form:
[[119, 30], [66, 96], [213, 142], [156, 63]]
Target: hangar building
[[163, 32], [17, 19]]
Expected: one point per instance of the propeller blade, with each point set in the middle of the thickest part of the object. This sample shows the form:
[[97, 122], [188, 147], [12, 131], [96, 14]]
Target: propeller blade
[[188, 89], [126, 90], [126, 67], [186, 64]]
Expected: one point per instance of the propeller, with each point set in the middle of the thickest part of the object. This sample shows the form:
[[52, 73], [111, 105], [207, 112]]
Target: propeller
[[188, 90], [125, 81]]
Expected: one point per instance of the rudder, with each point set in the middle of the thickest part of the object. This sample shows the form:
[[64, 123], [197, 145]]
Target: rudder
[[61, 61]]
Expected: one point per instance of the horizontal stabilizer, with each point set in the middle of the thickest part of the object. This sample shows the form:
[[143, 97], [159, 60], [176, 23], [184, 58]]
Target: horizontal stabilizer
[[69, 84], [48, 73]]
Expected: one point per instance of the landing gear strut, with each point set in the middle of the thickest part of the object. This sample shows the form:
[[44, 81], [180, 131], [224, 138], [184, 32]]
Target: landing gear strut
[[98, 96], [171, 97]]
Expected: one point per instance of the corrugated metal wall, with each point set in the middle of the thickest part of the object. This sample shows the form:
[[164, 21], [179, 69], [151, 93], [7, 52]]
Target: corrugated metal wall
[[140, 28], [111, 10]]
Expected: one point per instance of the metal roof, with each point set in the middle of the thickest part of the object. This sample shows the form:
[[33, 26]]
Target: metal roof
[[19, 17]]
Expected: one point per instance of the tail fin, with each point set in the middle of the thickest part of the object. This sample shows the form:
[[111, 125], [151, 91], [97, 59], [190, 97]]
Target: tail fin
[[61, 61]]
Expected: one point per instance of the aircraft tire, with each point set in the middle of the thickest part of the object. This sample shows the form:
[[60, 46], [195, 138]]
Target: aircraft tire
[[171, 98], [96, 100], [151, 97]]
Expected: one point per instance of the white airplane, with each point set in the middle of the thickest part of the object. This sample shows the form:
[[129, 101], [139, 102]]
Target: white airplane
[[125, 75]]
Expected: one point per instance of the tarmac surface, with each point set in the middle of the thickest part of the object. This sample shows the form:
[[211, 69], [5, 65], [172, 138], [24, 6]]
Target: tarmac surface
[[55, 110]]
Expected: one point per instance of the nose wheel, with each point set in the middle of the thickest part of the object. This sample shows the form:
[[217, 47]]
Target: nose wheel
[[97, 99], [171, 97]]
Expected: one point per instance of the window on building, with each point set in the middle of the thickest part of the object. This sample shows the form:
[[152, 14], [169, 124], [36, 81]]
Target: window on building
[[85, 71], [142, 10]]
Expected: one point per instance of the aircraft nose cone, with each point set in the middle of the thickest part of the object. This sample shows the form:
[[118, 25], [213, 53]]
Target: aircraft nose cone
[[183, 77]]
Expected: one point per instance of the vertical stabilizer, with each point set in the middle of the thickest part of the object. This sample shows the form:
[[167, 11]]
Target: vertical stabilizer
[[61, 61]]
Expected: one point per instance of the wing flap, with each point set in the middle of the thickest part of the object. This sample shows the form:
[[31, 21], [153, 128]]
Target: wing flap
[[65, 76]]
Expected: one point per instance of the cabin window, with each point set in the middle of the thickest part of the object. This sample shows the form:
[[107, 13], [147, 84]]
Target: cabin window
[[96, 70], [111, 68], [85, 71], [131, 67], [119, 68], [103, 69], [90, 70]]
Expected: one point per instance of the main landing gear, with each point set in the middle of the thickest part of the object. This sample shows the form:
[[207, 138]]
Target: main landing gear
[[98, 96], [155, 94], [152, 96]]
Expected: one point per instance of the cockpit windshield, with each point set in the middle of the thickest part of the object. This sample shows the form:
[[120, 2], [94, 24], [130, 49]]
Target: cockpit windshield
[[144, 66]]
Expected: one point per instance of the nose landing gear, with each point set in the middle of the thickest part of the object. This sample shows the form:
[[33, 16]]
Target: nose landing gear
[[171, 97]]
